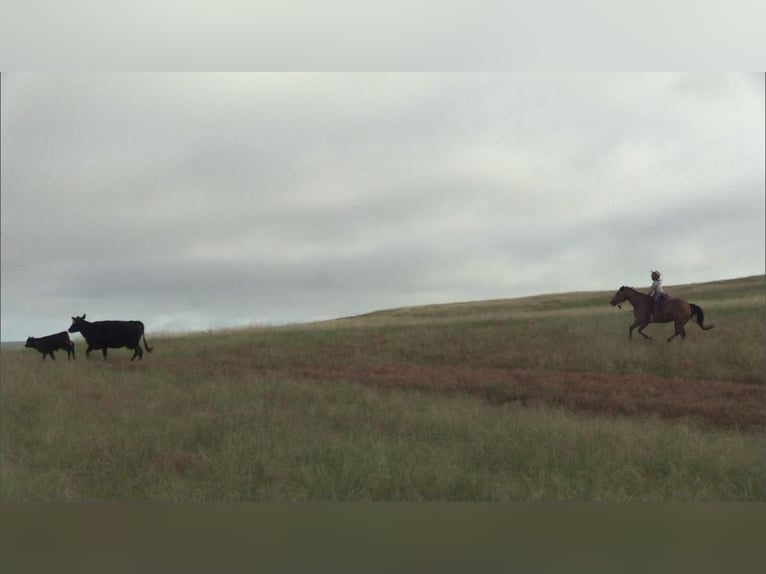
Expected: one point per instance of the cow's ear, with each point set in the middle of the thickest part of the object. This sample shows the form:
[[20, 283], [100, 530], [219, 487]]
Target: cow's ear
[[83, 315]]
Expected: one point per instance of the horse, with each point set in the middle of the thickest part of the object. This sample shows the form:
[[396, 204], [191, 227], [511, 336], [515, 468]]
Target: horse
[[674, 309]]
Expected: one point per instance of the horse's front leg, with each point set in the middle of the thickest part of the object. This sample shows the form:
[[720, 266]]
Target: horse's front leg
[[641, 327]]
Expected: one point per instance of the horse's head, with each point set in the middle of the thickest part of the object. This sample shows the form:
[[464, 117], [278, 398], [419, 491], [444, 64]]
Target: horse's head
[[619, 297]]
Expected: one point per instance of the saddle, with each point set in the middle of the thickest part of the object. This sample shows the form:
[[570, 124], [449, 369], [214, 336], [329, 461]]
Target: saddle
[[658, 303]]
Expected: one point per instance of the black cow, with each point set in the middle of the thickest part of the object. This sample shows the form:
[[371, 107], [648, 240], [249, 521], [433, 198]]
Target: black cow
[[111, 334], [46, 345]]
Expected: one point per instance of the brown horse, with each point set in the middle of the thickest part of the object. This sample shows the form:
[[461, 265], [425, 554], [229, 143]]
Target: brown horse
[[674, 309]]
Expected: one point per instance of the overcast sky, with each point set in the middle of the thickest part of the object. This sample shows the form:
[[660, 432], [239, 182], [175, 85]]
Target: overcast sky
[[202, 201]]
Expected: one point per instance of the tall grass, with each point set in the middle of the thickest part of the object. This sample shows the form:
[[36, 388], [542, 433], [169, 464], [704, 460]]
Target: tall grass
[[386, 407], [149, 436]]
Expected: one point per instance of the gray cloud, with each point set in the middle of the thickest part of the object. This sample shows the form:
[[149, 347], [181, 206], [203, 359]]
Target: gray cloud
[[196, 201]]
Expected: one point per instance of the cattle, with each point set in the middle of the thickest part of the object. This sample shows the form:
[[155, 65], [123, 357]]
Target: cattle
[[46, 345], [111, 334]]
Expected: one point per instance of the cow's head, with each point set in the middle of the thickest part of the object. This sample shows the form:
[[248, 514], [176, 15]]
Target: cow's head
[[77, 323], [30, 341]]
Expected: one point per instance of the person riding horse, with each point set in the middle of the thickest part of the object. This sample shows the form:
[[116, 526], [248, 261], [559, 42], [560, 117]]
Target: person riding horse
[[656, 293], [676, 310]]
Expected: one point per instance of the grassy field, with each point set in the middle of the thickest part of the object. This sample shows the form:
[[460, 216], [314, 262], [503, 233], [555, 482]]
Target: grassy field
[[541, 398]]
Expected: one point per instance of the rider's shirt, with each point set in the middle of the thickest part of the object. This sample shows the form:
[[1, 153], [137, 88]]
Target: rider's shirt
[[656, 289]]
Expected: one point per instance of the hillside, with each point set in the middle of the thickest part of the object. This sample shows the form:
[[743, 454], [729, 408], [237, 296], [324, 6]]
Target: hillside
[[540, 398], [566, 349], [746, 290]]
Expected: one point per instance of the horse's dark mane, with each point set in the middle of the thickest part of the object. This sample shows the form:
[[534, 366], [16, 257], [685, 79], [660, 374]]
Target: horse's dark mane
[[635, 291]]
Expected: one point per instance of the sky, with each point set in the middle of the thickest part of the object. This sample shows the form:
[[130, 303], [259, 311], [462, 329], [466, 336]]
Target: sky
[[203, 201]]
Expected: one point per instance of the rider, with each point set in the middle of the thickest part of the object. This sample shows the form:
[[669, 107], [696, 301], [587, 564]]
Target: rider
[[656, 293]]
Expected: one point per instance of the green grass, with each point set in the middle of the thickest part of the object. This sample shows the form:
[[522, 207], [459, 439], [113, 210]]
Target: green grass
[[141, 436], [532, 399]]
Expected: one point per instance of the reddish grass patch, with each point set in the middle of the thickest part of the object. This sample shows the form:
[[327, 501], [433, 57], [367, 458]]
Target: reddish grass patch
[[184, 462], [720, 403]]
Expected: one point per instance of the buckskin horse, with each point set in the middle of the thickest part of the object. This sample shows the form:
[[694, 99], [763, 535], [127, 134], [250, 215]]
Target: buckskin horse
[[674, 309]]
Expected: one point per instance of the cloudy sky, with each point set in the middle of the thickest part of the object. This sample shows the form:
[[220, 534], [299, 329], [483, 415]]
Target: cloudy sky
[[202, 201]]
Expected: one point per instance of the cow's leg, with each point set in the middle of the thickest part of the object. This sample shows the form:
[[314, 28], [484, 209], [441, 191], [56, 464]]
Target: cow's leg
[[137, 352], [87, 351], [103, 351]]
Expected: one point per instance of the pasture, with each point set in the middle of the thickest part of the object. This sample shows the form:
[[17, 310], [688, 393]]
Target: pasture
[[541, 398]]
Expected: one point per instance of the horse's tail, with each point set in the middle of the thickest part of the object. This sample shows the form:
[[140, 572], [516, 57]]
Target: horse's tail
[[697, 310]]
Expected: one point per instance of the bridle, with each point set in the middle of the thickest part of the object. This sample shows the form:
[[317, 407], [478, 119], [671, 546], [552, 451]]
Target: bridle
[[619, 305]]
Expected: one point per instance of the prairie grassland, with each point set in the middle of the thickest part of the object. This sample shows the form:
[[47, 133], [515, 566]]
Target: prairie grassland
[[541, 398]]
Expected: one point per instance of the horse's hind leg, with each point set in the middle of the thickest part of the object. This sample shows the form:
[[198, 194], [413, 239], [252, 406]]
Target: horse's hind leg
[[679, 331]]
